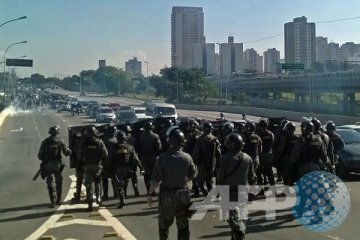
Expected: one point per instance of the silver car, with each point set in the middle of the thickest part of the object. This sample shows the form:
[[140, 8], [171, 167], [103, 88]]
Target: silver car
[[105, 114]]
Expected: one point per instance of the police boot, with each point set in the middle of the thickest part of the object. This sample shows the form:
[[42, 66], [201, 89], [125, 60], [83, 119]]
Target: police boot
[[89, 198], [136, 190], [97, 197], [52, 198], [121, 198], [105, 185], [58, 196], [77, 194], [163, 233], [183, 234]]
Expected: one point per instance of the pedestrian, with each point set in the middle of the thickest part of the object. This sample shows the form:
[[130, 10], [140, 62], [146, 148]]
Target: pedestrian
[[93, 153], [149, 146], [236, 171], [109, 141], [173, 170], [123, 160], [52, 165], [206, 155]]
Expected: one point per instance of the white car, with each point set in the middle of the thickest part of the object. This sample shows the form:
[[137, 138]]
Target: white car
[[105, 114]]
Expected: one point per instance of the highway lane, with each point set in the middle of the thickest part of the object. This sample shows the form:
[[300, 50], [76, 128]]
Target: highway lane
[[25, 202]]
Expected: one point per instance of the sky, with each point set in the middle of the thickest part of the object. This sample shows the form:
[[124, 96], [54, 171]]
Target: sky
[[67, 36]]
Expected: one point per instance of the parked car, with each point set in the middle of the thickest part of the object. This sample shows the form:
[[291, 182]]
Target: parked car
[[355, 127], [63, 106], [125, 117], [349, 156], [93, 110], [105, 114]]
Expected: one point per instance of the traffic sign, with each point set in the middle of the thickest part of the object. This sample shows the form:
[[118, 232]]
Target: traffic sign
[[292, 66], [19, 62]]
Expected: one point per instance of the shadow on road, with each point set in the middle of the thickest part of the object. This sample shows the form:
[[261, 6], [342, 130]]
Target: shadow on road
[[23, 208], [138, 214], [28, 216]]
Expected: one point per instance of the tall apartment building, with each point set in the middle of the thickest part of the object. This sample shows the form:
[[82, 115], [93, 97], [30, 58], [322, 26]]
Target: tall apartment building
[[231, 57], [328, 51], [133, 67], [271, 60], [102, 63], [203, 57], [300, 42], [253, 61], [321, 46], [350, 49], [187, 29]]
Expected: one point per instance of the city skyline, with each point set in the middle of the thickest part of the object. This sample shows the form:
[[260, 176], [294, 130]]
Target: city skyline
[[65, 37]]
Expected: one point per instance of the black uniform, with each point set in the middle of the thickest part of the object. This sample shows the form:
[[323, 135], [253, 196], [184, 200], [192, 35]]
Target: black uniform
[[338, 143], [266, 157], [107, 172]]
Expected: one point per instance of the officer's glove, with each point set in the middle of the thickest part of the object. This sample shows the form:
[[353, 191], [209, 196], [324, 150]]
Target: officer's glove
[[142, 172], [68, 152]]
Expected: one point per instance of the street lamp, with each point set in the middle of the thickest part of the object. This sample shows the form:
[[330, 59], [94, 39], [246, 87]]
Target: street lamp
[[5, 57], [23, 17]]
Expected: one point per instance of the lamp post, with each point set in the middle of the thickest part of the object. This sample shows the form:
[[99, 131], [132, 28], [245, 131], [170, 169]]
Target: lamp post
[[220, 73], [23, 17], [5, 58]]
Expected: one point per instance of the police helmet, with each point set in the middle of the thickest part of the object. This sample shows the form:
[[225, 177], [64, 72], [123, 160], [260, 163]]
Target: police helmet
[[263, 123], [121, 136], [330, 126], [250, 126], [126, 128], [283, 123], [317, 124], [228, 127], [168, 123], [193, 122], [54, 130], [207, 127], [234, 142], [290, 127], [307, 127], [91, 131], [112, 129], [148, 125], [175, 136]]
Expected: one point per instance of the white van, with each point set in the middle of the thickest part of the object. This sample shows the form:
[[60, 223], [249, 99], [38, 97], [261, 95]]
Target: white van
[[161, 110]]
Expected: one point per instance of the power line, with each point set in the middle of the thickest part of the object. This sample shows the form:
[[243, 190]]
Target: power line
[[281, 34]]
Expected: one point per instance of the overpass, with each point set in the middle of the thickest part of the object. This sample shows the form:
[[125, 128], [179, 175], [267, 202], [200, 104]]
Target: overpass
[[306, 88]]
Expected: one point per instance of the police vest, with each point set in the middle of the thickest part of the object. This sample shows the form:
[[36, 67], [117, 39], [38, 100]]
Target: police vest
[[92, 151], [121, 155], [52, 149]]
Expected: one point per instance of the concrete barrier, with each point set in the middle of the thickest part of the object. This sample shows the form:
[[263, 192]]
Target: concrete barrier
[[265, 112]]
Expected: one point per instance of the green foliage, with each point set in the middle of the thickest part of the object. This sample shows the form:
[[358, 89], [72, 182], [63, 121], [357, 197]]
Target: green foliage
[[192, 84], [114, 79]]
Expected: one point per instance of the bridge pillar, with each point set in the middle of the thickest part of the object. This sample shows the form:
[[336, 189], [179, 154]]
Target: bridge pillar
[[299, 98], [349, 102]]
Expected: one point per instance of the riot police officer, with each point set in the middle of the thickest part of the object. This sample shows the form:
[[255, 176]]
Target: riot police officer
[[149, 146], [172, 171], [236, 169], [51, 163], [226, 129], [283, 153], [253, 144], [132, 141], [336, 139], [123, 159], [109, 141], [278, 134], [308, 152], [327, 143], [206, 155], [79, 166], [162, 134], [266, 156], [93, 153]]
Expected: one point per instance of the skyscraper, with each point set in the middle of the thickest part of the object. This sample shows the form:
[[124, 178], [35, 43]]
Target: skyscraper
[[187, 29], [300, 42], [133, 66], [271, 60], [203, 57], [231, 57], [253, 61]]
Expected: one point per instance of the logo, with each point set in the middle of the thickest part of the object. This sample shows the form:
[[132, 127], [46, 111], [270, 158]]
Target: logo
[[323, 201]]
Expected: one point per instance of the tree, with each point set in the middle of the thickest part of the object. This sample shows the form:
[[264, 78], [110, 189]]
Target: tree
[[115, 80]]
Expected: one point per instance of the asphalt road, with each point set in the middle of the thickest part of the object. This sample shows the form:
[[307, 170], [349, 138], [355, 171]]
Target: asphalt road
[[23, 203]]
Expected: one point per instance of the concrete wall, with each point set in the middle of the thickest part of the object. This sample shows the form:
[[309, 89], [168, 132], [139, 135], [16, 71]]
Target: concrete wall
[[264, 112]]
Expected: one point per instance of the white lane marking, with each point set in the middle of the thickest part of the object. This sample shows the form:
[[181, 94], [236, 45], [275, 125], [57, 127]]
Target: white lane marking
[[332, 237], [17, 130], [83, 222], [52, 222], [119, 228], [55, 217]]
